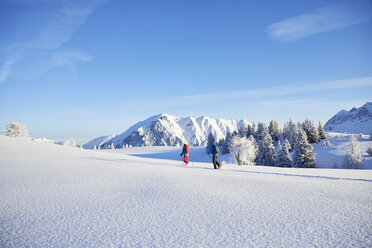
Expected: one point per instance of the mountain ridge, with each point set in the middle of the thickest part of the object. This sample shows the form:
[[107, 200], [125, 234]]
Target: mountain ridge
[[169, 130], [356, 120]]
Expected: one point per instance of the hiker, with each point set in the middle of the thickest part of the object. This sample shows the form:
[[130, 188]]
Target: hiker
[[185, 153], [215, 152]]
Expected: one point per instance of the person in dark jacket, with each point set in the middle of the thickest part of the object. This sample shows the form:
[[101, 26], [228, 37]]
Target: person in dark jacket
[[185, 153], [214, 150]]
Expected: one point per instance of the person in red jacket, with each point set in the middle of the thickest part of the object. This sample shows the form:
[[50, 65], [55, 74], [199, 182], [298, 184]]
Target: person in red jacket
[[185, 153]]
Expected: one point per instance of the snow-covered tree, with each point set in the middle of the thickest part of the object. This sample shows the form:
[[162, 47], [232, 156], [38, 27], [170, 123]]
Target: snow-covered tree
[[16, 129], [226, 147], [322, 134], [353, 159], [261, 129], [326, 143], [243, 130], [255, 147], [287, 145], [220, 142], [283, 159], [303, 156], [266, 152], [274, 130], [311, 131], [210, 141], [369, 151], [244, 150], [290, 132], [71, 142], [251, 130]]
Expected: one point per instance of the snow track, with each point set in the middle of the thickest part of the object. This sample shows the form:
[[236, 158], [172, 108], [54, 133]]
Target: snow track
[[54, 196]]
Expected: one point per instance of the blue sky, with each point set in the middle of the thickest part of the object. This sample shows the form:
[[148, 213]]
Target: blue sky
[[89, 68]]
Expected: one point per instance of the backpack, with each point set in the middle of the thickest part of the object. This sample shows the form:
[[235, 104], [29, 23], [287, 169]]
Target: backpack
[[215, 149], [186, 148]]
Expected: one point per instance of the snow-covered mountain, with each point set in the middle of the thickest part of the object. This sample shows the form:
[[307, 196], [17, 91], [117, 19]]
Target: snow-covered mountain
[[169, 130], [357, 120], [98, 141]]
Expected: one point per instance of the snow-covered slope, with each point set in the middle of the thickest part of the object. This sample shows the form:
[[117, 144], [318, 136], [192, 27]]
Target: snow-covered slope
[[169, 130], [97, 141], [56, 196], [357, 120], [333, 156]]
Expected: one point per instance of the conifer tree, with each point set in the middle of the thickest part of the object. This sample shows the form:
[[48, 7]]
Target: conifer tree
[[210, 141], [255, 147], [226, 144], [303, 156], [287, 145], [322, 134], [274, 130], [290, 132], [251, 130], [311, 132], [266, 150], [353, 159], [230, 140], [220, 143], [369, 151], [283, 159], [254, 130], [243, 130], [261, 129]]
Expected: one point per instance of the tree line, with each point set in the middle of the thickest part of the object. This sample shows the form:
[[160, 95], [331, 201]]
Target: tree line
[[271, 146]]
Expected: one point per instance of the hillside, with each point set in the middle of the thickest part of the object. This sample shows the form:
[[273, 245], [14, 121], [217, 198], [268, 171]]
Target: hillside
[[357, 120], [56, 196], [97, 141]]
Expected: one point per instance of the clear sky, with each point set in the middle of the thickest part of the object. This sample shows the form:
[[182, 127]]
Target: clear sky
[[89, 68]]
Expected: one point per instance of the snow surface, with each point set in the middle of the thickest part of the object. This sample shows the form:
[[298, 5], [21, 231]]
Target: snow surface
[[56, 196], [333, 156]]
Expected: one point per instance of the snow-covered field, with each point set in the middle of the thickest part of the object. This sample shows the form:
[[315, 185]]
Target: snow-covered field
[[333, 156], [56, 196]]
